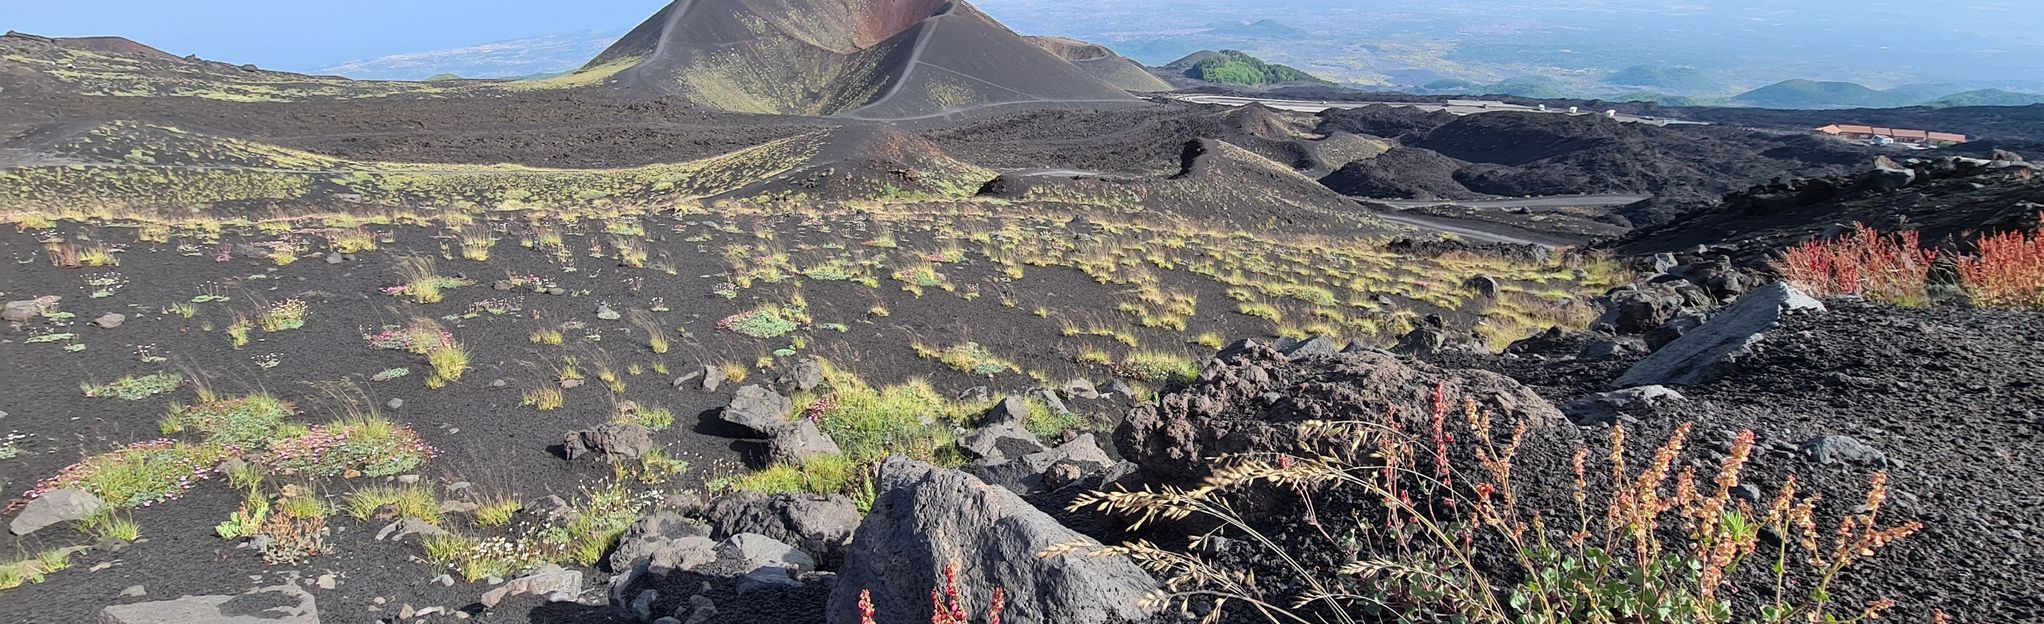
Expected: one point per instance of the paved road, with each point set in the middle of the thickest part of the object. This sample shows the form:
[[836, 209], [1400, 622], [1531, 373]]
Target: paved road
[[1555, 201], [1474, 231], [1056, 173], [1456, 106]]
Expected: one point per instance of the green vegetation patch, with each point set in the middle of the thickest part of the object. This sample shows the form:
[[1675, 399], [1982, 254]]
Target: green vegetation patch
[[250, 422], [869, 424], [360, 447], [763, 322], [970, 357], [1239, 68], [600, 516], [139, 475], [1158, 367], [132, 388]]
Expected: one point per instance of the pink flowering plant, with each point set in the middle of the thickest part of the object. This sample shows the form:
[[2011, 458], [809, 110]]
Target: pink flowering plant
[[412, 339], [138, 475], [358, 448]]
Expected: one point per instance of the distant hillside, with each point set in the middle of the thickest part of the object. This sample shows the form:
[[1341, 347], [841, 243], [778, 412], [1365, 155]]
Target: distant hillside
[[553, 54], [103, 45], [1234, 67], [1681, 80], [1814, 94], [1104, 64], [1539, 87], [1664, 99], [1258, 29], [1986, 97]]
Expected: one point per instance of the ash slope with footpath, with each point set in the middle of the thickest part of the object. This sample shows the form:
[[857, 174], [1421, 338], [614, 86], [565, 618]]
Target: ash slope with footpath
[[869, 59]]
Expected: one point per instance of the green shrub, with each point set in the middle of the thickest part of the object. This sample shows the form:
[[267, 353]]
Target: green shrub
[[827, 474], [971, 357], [402, 501], [765, 322], [134, 388], [1158, 367], [249, 422], [1049, 424]]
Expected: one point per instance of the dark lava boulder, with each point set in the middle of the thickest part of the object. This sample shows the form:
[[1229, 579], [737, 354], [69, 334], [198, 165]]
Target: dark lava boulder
[[1710, 350], [926, 518], [1252, 401], [609, 441], [820, 525]]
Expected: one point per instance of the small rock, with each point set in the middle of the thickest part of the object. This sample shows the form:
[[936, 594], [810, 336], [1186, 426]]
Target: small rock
[[1603, 348], [996, 444], [684, 379], [557, 584], [766, 578], [395, 403], [712, 379], [609, 441], [134, 591], [110, 320], [1747, 492], [442, 580], [55, 507], [24, 310], [642, 605], [1081, 389], [407, 527], [759, 409], [753, 551], [1317, 345], [408, 479], [808, 375], [1483, 285], [327, 581], [335, 257], [1013, 410], [1121, 389], [701, 610], [1608, 407], [800, 441], [1832, 449], [1050, 397]]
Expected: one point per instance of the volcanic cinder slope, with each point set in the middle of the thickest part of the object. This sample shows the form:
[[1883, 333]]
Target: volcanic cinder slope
[[868, 59], [1104, 64]]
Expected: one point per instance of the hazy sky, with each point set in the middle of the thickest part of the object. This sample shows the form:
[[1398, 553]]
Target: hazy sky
[[294, 34], [1877, 40]]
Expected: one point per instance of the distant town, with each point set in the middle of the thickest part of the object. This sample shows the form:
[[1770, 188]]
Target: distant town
[[1875, 135]]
